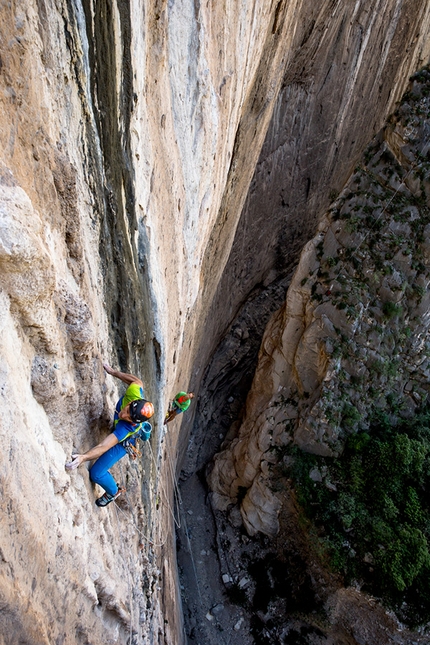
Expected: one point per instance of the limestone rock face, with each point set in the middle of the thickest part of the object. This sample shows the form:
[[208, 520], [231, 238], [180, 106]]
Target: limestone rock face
[[338, 88], [122, 128], [259, 509], [130, 133]]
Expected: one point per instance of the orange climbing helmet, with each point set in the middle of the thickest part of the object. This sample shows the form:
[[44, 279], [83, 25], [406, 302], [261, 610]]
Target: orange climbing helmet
[[141, 410]]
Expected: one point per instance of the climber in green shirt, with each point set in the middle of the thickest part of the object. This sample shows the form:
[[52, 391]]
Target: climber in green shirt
[[180, 404]]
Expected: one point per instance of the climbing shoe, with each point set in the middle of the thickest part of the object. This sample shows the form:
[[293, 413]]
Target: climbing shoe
[[107, 498]]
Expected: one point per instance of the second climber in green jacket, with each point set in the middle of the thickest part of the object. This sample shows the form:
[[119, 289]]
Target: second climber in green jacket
[[180, 404]]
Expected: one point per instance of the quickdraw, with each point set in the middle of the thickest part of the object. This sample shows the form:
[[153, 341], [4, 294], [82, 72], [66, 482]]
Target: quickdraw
[[131, 450]]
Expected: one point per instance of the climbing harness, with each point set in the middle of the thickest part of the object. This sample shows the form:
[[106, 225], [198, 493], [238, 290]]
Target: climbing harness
[[129, 443]]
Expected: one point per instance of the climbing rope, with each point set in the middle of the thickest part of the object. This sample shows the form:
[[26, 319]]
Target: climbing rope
[[177, 495], [186, 531], [178, 504], [130, 590], [172, 513], [149, 540], [163, 491]]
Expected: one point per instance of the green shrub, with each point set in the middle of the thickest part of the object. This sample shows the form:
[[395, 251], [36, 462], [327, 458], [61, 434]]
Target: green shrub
[[332, 261], [350, 415], [378, 506], [391, 310]]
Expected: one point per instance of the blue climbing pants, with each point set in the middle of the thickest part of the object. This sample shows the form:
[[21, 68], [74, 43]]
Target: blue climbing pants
[[99, 471]]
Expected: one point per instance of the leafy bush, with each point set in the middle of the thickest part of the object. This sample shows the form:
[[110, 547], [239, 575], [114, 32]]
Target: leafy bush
[[350, 415], [391, 310], [372, 510]]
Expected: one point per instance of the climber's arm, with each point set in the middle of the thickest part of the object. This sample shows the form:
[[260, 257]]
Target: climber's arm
[[128, 379], [94, 453]]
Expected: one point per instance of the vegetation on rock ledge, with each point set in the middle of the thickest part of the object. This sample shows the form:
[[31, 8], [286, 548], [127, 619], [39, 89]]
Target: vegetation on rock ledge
[[372, 510]]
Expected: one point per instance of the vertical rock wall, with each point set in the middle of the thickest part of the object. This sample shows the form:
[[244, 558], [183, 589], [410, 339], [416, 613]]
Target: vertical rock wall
[[129, 135], [350, 67], [119, 124]]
